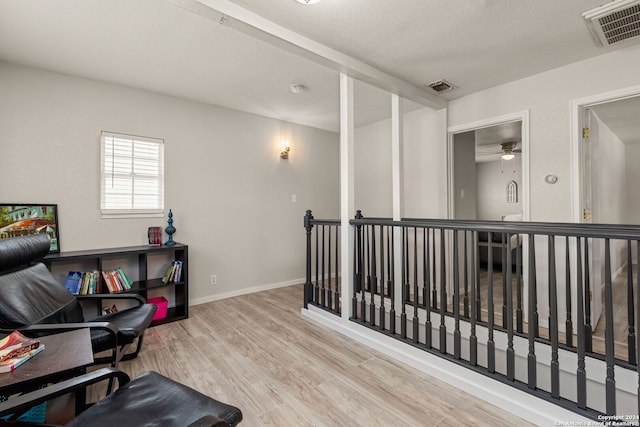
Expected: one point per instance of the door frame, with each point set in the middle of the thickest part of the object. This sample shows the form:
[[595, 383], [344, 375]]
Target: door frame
[[577, 106], [523, 117]]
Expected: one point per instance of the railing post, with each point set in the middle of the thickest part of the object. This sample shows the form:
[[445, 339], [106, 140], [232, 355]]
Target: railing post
[[308, 287], [631, 335], [609, 345], [357, 261]]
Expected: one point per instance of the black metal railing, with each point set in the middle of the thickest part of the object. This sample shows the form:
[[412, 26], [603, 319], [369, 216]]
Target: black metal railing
[[529, 284], [322, 285]]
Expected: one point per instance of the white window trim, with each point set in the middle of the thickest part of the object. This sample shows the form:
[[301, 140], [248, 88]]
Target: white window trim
[[130, 213]]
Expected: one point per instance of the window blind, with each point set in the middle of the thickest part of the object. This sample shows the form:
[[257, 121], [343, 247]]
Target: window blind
[[132, 174]]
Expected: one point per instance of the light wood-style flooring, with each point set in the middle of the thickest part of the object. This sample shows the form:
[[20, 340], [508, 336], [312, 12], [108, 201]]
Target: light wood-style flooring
[[259, 353]]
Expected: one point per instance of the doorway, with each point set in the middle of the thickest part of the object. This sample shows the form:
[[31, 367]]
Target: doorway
[[488, 170], [605, 142], [489, 180]]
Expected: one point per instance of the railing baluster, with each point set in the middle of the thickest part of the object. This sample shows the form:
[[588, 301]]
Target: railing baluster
[[503, 267], [456, 297], [532, 364], [425, 277], [391, 281], [308, 286], [587, 299], [511, 354], [382, 290], [416, 323], [638, 317], [534, 283], [316, 289], [466, 279], [473, 339], [581, 373], [329, 287], [609, 352], [427, 293], [553, 319], [443, 294], [336, 298], [491, 346], [631, 335], [405, 286], [568, 324], [478, 300], [322, 264], [434, 296], [357, 285], [366, 282], [374, 277], [519, 313]]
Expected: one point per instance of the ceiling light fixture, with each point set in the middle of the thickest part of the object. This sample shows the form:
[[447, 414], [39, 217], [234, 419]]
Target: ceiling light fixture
[[508, 156], [307, 1]]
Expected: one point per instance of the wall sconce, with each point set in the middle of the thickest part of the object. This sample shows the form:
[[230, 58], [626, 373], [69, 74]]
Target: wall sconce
[[284, 154]]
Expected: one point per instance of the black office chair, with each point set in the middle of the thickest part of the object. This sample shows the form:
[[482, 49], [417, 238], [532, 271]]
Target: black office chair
[[148, 400], [33, 302]]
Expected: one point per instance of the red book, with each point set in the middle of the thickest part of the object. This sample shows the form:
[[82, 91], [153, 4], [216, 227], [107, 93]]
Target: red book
[[16, 345]]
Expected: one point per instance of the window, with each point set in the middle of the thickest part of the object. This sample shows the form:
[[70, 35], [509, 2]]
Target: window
[[132, 175], [512, 192]]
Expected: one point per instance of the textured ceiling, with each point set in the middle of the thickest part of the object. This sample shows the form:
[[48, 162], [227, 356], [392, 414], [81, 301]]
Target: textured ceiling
[[179, 48]]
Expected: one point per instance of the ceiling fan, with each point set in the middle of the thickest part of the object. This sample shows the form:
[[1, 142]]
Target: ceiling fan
[[509, 150]]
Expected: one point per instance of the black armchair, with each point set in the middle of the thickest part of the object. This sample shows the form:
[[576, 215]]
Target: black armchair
[[33, 302], [150, 399]]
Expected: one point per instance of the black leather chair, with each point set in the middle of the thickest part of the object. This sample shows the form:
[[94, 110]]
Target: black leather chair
[[33, 302], [148, 400]]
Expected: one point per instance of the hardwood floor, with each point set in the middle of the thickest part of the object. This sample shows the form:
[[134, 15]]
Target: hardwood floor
[[257, 352]]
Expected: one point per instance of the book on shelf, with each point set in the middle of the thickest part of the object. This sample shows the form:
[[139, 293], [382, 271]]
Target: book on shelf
[[89, 283], [15, 344], [155, 236], [173, 273], [74, 278], [10, 365], [117, 281]]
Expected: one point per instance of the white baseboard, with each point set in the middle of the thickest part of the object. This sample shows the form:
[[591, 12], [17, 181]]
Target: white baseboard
[[519, 403], [259, 288]]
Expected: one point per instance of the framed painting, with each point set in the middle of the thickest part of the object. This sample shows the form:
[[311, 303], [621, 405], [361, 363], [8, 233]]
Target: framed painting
[[23, 219]]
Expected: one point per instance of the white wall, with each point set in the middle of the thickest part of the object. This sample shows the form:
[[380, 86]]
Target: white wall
[[229, 190], [424, 160], [492, 179], [372, 169], [547, 96], [632, 167]]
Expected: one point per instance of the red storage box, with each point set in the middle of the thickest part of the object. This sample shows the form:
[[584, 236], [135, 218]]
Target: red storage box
[[162, 304]]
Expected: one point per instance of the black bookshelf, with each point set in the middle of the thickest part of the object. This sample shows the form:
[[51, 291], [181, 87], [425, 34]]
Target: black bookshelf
[[149, 281]]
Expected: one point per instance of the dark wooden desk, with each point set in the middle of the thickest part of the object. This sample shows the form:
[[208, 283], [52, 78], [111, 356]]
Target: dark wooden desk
[[65, 355]]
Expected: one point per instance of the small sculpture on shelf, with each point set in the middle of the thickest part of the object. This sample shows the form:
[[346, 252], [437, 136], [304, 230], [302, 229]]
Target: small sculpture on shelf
[[170, 230]]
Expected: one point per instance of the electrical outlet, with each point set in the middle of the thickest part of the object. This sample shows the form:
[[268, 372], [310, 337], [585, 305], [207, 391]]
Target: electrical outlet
[[214, 279]]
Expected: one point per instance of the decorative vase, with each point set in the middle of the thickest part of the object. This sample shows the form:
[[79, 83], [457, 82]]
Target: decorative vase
[[170, 230]]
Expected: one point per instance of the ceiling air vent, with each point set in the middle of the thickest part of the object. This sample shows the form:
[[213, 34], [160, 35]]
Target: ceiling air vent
[[614, 22], [442, 85]]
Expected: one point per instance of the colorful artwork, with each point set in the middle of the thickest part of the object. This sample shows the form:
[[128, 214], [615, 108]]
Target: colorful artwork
[[21, 220]]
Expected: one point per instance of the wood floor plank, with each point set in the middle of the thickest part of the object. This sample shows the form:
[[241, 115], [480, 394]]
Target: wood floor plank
[[259, 353]]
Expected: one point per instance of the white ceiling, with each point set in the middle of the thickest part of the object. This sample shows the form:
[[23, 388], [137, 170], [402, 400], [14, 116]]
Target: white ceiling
[[179, 47]]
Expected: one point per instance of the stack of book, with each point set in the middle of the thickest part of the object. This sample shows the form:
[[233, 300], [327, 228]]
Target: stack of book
[[116, 280], [82, 283], [15, 349], [87, 283], [173, 274]]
